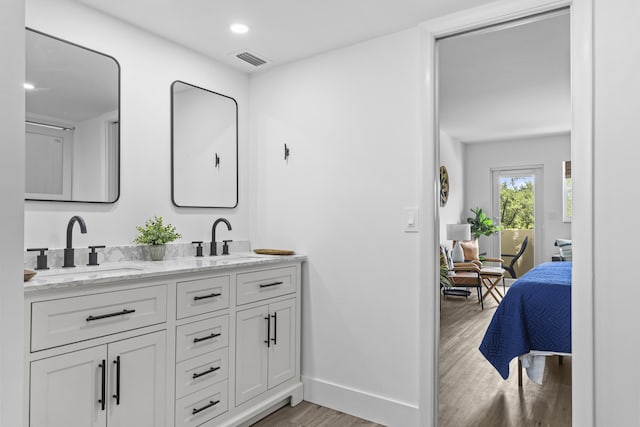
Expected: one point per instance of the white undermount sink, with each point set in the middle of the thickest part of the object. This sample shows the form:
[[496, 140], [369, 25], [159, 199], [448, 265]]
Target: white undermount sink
[[89, 272]]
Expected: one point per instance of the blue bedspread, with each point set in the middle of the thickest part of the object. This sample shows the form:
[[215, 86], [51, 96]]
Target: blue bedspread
[[535, 314]]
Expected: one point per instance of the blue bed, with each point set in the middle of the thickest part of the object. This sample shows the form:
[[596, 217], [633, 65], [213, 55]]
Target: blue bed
[[535, 315]]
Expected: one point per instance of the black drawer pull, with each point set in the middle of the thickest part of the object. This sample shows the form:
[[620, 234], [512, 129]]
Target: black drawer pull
[[207, 406], [208, 371], [266, 285], [197, 340], [213, 295], [103, 387], [275, 328], [117, 395], [104, 316]]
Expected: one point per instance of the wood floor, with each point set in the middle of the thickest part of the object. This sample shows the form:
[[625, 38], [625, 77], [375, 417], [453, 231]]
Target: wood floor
[[472, 393], [311, 415]]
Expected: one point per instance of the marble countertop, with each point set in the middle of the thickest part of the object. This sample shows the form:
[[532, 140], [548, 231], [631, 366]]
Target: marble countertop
[[125, 270]]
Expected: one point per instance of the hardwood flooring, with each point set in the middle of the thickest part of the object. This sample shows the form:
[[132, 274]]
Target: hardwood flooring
[[307, 414], [472, 393]]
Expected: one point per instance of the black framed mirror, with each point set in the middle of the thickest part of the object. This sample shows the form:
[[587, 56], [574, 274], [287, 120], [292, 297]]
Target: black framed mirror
[[72, 146], [204, 148]]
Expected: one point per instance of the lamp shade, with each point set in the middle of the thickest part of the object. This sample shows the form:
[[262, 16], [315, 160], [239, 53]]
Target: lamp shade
[[458, 232]]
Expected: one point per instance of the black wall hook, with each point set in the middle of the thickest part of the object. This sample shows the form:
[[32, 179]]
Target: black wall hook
[[217, 162], [286, 152]]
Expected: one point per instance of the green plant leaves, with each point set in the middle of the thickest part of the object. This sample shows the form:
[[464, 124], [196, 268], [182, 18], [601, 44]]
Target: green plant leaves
[[481, 224], [155, 232]]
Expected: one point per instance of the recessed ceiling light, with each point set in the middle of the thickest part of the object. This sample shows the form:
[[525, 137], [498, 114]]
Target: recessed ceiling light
[[29, 86], [239, 28]]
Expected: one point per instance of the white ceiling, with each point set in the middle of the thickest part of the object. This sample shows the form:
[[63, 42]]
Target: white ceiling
[[494, 85], [506, 84], [281, 30]]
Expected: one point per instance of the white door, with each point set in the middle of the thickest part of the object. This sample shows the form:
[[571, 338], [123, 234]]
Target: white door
[[137, 382], [282, 356], [48, 163], [252, 335], [68, 390]]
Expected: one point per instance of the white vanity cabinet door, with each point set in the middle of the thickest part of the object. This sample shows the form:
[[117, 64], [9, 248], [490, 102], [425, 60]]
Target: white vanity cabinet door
[[65, 390], [265, 348], [282, 350], [140, 386], [251, 353]]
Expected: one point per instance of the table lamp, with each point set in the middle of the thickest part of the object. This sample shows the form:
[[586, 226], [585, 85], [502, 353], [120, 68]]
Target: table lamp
[[457, 233]]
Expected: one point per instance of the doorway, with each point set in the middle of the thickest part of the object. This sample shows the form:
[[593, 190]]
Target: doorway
[[517, 199], [503, 110], [582, 135]]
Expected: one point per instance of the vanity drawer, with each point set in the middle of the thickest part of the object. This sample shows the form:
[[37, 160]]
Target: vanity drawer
[[202, 296], [69, 320], [263, 284], [197, 338], [201, 372], [201, 406]]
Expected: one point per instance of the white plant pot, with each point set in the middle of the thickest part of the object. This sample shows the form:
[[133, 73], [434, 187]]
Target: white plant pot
[[157, 252]]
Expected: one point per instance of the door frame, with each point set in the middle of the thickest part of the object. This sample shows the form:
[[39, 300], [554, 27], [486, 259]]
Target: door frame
[[538, 206], [582, 92]]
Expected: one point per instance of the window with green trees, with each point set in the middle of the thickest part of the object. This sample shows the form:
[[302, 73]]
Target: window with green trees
[[516, 202]]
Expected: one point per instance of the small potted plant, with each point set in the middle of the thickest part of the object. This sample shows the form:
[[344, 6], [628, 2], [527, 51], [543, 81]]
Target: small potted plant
[[481, 224], [156, 235]]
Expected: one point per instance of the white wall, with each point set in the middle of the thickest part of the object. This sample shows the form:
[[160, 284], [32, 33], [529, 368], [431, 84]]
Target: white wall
[[88, 160], [549, 151], [452, 154], [350, 119], [617, 197], [11, 218], [148, 67]]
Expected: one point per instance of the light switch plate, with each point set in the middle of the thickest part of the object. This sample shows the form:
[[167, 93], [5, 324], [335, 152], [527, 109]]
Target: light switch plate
[[411, 220]]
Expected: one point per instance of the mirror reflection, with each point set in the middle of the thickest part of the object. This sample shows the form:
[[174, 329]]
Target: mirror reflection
[[204, 147], [72, 122]]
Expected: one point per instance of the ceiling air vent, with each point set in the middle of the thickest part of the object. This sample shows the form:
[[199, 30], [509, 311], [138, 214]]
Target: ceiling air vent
[[251, 59]]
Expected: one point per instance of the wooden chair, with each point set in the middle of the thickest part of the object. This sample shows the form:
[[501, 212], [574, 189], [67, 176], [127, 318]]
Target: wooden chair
[[463, 275], [491, 275], [491, 278]]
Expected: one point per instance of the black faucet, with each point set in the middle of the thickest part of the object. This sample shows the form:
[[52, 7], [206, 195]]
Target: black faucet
[[69, 260], [214, 247]]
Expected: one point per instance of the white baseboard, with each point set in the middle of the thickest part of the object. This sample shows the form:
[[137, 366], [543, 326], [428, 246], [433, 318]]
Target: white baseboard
[[361, 404]]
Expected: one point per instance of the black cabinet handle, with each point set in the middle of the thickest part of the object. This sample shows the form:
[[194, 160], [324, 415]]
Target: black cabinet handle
[[213, 295], [266, 285], [102, 401], [208, 371], [207, 406], [197, 340], [104, 316], [117, 395], [275, 328], [268, 340]]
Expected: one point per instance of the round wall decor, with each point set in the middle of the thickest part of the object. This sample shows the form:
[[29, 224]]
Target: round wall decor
[[444, 185]]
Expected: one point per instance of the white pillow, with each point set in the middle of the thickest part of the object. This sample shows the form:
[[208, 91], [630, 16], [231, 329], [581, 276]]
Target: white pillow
[[565, 249]]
